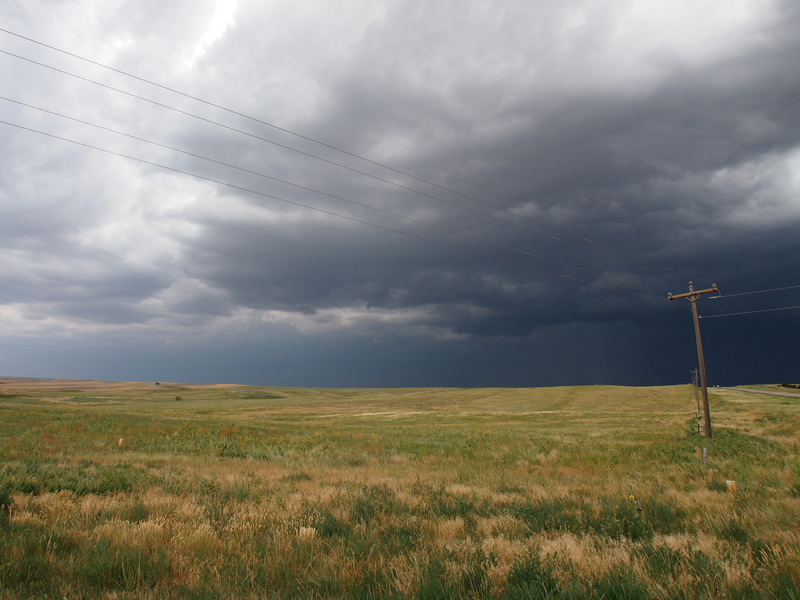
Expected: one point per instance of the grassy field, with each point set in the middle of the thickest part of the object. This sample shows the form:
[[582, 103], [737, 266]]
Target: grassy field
[[169, 491]]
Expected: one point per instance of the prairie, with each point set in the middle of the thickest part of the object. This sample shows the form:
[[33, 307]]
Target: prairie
[[185, 491]]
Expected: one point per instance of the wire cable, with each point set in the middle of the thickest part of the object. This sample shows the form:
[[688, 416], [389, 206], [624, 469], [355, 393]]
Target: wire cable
[[314, 208], [254, 136], [333, 196], [748, 312], [791, 287], [665, 270], [246, 133]]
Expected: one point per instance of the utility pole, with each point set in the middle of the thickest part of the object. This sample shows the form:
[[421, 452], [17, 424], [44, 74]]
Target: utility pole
[[693, 296]]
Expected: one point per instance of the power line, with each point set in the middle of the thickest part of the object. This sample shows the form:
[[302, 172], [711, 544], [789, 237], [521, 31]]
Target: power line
[[254, 136], [750, 312], [320, 210], [666, 270], [333, 196], [398, 185], [791, 287]]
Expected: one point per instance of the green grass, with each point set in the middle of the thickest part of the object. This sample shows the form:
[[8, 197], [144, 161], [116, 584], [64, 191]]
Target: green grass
[[583, 492]]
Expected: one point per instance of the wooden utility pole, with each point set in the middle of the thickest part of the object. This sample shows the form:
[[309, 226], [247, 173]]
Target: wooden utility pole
[[693, 296]]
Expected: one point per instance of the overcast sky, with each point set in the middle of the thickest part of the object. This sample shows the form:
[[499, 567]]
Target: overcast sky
[[539, 175]]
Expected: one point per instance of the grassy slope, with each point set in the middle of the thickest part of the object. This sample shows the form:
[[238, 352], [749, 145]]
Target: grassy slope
[[286, 492]]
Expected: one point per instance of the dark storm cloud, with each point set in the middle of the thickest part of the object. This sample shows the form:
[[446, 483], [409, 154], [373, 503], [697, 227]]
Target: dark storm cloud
[[670, 136]]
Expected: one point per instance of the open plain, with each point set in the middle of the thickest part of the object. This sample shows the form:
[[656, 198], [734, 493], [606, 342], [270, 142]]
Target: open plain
[[145, 490]]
